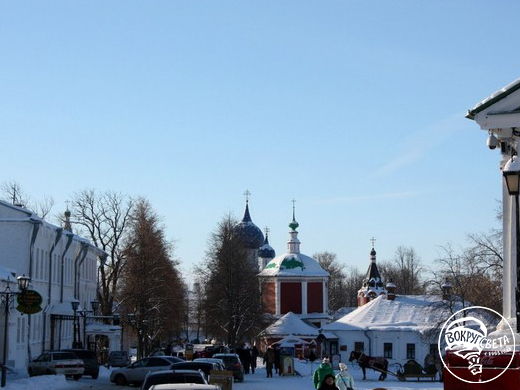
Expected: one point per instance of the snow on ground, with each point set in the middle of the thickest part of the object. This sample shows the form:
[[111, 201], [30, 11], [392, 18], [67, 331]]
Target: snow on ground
[[58, 382], [258, 381]]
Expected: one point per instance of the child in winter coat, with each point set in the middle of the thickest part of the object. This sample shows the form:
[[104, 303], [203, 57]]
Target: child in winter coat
[[321, 372], [344, 380], [328, 383]]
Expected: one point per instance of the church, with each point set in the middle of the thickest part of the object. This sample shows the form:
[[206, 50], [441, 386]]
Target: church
[[293, 286]]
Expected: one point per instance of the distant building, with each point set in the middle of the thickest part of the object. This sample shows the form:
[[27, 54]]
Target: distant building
[[62, 267], [373, 285]]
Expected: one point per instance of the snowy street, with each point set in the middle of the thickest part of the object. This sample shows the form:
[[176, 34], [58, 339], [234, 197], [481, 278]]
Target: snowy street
[[258, 381]]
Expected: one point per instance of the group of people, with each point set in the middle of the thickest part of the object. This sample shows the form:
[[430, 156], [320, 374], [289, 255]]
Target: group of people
[[248, 356], [325, 379]]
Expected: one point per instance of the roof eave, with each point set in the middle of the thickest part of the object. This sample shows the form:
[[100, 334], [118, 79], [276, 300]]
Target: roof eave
[[492, 99]]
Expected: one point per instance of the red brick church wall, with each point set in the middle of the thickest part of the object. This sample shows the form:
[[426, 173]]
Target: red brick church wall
[[291, 297], [268, 297], [315, 297]]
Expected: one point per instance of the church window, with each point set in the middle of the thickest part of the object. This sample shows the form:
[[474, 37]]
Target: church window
[[387, 350], [359, 346], [410, 351]]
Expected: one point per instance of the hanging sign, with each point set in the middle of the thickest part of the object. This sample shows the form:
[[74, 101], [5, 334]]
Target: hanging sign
[[29, 302]]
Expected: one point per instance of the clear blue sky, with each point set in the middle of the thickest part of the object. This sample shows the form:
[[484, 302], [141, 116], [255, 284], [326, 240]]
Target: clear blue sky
[[354, 108]]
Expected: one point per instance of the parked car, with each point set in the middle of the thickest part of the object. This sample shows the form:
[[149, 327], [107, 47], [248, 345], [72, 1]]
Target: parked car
[[136, 372], [232, 363], [220, 362], [57, 363], [89, 361], [205, 367], [173, 376], [118, 359], [184, 386]]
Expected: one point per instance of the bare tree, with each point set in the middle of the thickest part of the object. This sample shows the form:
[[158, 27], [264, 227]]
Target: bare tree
[[473, 280], [337, 291], [104, 218], [404, 270], [13, 193], [353, 282], [44, 207]]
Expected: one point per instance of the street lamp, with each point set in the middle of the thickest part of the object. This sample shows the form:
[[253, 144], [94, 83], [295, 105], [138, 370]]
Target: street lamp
[[511, 174], [75, 342], [83, 313], [7, 297]]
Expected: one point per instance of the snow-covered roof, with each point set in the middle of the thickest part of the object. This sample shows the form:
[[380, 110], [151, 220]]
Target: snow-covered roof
[[405, 312], [293, 264], [291, 341], [494, 98], [290, 325]]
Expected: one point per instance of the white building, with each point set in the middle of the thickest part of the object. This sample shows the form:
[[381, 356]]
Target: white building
[[62, 267], [397, 327]]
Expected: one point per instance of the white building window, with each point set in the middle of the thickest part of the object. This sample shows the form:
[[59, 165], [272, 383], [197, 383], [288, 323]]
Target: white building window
[[410, 351], [387, 350]]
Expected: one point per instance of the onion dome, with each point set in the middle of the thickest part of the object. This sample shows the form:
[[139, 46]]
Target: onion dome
[[249, 233], [266, 251]]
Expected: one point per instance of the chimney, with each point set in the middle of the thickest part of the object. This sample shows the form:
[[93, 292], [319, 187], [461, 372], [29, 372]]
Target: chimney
[[390, 291]]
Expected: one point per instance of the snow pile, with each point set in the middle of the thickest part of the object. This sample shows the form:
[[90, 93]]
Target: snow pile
[[55, 382], [290, 324]]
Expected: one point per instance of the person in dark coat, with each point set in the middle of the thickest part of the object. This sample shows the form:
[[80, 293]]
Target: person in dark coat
[[269, 361], [254, 356], [277, 360], [328, 383], [246, 359]]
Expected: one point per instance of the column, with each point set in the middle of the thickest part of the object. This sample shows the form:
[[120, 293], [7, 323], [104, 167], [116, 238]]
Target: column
[[304, 297], [277, 292], [325, 296]]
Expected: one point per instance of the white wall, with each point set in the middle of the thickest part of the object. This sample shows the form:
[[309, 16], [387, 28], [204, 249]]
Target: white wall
[[399, 340], [26, 332]]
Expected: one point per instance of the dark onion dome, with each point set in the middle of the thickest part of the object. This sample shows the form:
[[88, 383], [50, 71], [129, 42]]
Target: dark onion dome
[[249, 233], [266, 251]]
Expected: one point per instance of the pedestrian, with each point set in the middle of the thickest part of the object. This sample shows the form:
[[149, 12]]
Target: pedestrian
[[277, 360], [254, 356], [328, 383], [344, 380], [269, 361], [246, 359], [321, 372]]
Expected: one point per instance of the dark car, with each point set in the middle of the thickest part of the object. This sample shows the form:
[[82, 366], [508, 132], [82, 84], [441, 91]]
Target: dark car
[[89, 360], [174, 376], [118, 359], [232, 363], [205, 367]]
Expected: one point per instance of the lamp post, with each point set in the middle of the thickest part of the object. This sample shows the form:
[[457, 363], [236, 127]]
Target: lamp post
[[7, 297], [75, 342], [83, 313], [511, 174]]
